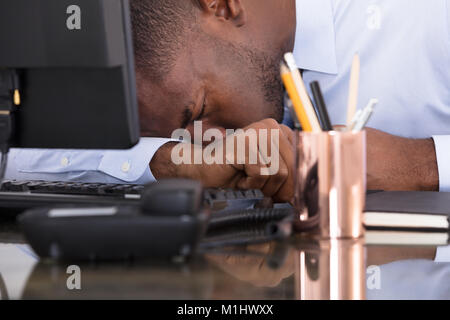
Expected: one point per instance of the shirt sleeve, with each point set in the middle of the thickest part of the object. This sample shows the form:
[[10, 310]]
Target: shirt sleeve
[[442, 144], [99, 166], [442, 254], [131, 165]]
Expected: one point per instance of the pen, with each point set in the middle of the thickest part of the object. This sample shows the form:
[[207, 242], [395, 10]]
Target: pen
[[355, 118], [365, 116], [301, 89], [294, 96], [321, 106], [353, 91]]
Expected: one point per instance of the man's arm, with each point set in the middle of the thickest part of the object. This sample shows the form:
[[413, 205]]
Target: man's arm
[[161, 165], [98, 166], [231, 173], [395, 163]]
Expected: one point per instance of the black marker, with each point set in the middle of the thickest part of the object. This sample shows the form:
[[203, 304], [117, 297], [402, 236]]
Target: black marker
[[321, 107]]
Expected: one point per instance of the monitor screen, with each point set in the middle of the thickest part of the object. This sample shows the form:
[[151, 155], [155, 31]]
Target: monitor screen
[[73, 61]]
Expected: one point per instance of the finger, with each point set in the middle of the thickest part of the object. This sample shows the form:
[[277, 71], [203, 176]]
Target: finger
[[269, 181], [276, 181], [249, 162], [287, 154], [289, 133], [281, 159], [253, 178], [277, 171]]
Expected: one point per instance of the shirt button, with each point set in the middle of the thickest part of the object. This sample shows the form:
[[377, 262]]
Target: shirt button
[[126, 166], [64, 162]]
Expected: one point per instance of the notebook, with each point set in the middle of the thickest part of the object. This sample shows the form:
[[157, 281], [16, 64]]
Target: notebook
[[406, 238], [408, 211]]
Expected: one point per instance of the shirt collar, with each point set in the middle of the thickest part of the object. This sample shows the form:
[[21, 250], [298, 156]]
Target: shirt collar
[[315, 46]]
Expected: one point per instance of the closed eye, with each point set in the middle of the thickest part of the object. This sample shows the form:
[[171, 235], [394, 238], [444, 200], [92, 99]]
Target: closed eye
[[202, 112]]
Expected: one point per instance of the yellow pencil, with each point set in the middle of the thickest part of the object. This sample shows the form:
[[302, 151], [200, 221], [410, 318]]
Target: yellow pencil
[[353, 91], [295, 97], [301, 89]]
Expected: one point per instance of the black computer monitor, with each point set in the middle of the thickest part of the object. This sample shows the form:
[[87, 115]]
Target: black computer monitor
[[74, 63]]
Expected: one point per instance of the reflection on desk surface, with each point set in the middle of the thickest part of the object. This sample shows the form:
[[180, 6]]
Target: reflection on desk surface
[[299, 270]]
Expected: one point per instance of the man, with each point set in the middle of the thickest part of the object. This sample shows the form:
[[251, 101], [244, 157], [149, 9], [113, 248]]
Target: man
[[217, 61]]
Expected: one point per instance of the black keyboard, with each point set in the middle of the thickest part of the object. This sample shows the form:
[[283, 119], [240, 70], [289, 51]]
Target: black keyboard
[[74, 188], [22, 195]]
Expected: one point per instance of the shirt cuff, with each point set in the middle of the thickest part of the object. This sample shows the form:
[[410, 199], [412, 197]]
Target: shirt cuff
[[131, 165], [442, 254], [442, 144]]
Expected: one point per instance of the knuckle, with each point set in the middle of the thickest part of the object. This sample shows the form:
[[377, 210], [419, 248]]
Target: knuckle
[[286, 130], [271, 123]]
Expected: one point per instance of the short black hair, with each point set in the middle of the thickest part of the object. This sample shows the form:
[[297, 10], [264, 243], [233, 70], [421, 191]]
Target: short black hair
[[159, 31]]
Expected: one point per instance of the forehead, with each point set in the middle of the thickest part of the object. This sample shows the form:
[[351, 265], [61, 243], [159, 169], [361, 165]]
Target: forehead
[[163, 102]]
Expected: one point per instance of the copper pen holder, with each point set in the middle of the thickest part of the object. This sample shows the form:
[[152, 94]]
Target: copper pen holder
[[330, 186]]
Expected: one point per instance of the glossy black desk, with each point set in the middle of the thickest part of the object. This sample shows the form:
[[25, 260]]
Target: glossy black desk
[[302, 268]]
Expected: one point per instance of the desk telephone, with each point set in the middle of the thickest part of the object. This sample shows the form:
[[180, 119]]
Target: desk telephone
[[172, 221]]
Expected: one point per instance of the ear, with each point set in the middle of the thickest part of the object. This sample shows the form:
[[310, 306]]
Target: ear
[[230, 10]]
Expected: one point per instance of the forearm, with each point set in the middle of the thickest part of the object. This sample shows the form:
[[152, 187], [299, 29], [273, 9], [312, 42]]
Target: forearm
[[428, 175], [396, 163], [171, 162], [163, 167], [421, 165]]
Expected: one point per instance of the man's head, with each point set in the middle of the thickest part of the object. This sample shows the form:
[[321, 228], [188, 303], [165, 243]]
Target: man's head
[[210, 60]]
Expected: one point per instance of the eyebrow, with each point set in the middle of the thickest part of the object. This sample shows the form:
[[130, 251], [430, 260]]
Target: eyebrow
[[187, 117]]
